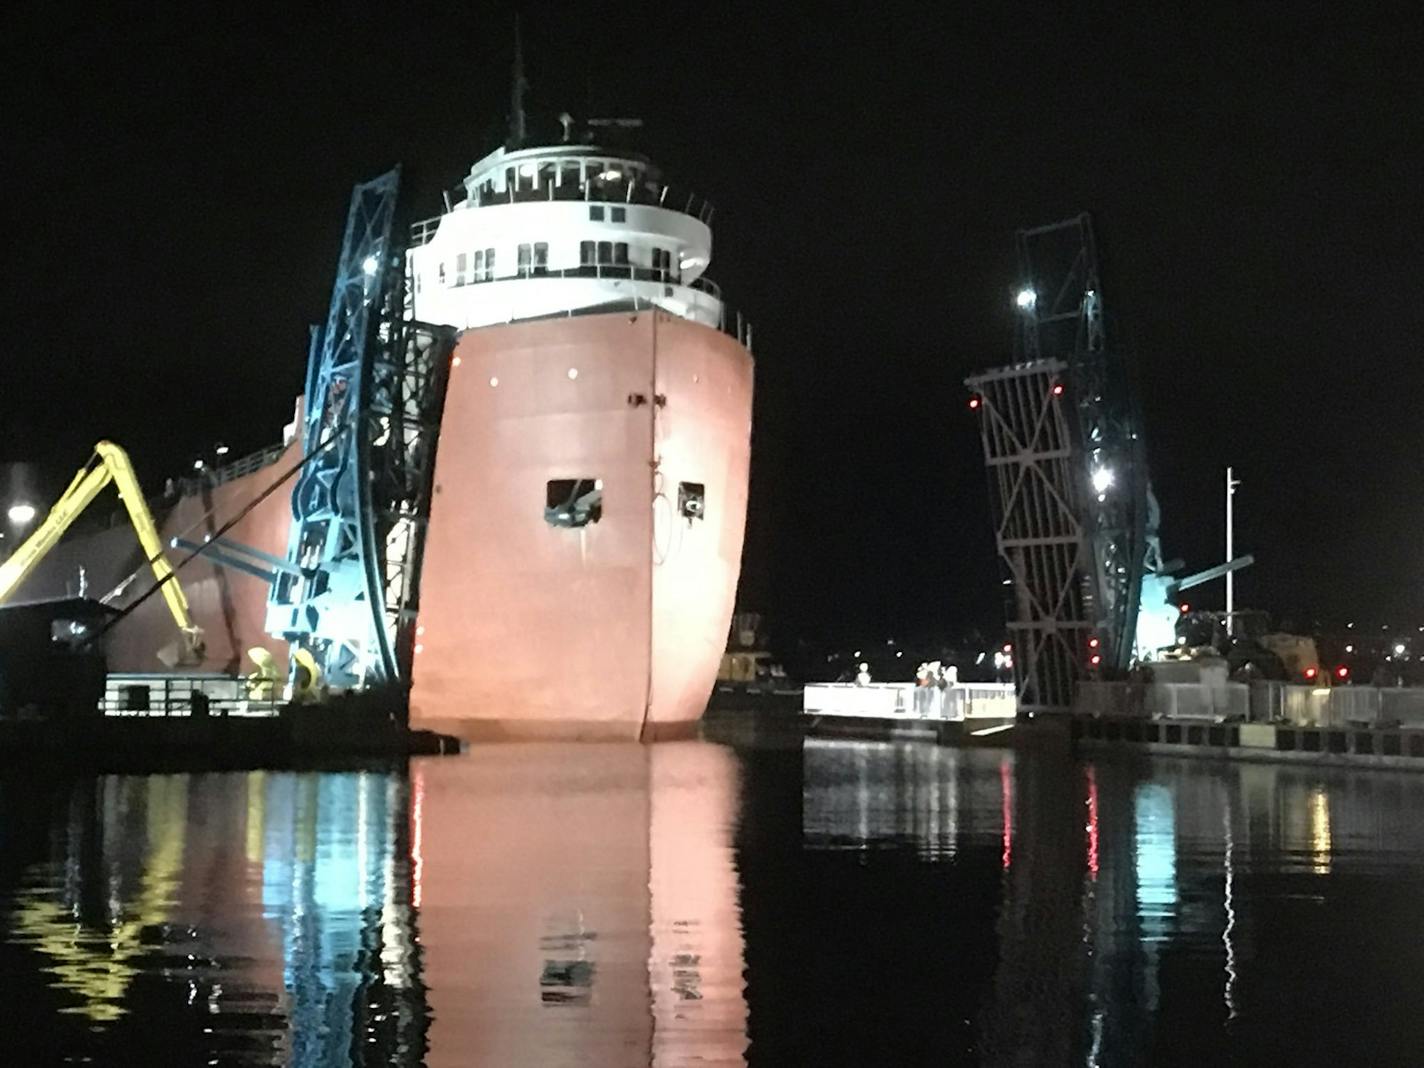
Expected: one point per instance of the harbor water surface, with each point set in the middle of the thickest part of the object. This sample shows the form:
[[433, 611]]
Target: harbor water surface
[[827, 902]]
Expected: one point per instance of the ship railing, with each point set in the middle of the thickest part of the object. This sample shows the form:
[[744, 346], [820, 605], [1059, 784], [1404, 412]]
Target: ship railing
[[208, 477], [643, 192], [728, 321], [592, 270], [156, 694]]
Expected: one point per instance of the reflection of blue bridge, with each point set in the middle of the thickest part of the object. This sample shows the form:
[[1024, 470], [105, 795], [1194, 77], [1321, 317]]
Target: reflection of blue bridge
[[329, 880]]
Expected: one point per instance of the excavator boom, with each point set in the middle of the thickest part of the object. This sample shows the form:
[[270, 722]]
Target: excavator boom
[[113, 466]]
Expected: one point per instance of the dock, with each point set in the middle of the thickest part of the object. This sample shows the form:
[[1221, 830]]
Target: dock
[[966, 712], [201, 722]]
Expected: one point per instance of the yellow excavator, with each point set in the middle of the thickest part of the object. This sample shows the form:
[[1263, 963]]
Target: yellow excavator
[[108, 464]]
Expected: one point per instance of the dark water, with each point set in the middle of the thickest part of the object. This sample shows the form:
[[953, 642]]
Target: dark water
[[689, 904]]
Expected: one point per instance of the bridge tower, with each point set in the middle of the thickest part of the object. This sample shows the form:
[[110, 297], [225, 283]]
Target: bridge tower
[[1075, 525]]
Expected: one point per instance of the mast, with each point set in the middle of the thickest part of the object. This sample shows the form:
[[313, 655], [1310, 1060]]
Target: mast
[[518, 132]]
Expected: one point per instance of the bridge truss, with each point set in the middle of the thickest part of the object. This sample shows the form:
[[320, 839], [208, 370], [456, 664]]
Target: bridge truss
[[1061, 431], [374, 395]]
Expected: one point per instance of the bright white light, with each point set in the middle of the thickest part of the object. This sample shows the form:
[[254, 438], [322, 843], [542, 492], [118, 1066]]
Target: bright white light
[[1399, 649], [1026, 299], [197, 465], [494, 382], [1349, 648], [20, 514], [611, 176], [1102, 480], [573, 373], [369, 264], [222, 450]]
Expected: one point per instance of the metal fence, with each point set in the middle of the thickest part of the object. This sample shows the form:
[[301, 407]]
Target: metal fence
[[908, 700], [193, 485], [162, 695], [1258, 702]]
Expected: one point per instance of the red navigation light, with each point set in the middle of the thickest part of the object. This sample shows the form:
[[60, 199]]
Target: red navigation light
[[1095, 660], [1185, 607], [1310, 673], [1058, 389], [1008, 647], [1093, 643], [973, 403], [1342, 672]]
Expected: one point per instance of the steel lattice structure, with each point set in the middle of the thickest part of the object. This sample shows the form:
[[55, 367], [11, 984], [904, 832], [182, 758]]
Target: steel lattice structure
[[375, 389], [1032, 458], [1063, 442]]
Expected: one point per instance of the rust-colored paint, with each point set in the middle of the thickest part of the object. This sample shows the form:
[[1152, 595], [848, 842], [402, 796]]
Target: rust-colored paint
[[229, 605], [610, 632], [614, 630]]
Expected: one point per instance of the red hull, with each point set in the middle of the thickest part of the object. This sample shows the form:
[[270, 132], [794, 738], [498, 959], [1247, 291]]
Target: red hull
[[610, 631], [230, 607]]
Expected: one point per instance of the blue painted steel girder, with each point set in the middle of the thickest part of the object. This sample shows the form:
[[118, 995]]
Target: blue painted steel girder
[[334, 607]]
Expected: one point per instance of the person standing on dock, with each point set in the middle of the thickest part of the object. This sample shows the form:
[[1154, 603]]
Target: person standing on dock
[[863, 677], [924, 691]]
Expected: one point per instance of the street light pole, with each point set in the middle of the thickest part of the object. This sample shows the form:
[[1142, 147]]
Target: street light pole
[[1231, 484]]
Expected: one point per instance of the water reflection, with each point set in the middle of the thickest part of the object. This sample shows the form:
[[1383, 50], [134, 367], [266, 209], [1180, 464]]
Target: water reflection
[[559, 885], [1155, 912], [528, 905], [841, 903], [928, 798]]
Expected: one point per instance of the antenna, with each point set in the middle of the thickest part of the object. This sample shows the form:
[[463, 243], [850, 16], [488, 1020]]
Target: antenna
[[518, 132]]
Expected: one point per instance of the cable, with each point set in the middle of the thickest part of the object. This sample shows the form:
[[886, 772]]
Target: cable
[[116, 620]]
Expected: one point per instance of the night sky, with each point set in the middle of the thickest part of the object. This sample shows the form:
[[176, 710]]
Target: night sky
[[174, 189]]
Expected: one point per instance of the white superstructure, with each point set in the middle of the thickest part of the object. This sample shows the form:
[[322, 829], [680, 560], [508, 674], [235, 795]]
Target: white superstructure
[[560, 230]]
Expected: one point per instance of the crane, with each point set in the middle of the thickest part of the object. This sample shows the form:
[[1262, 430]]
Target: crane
[[109, 463]]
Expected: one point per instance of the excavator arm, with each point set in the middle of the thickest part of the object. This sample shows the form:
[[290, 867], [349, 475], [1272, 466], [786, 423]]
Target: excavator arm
[[112, 465]]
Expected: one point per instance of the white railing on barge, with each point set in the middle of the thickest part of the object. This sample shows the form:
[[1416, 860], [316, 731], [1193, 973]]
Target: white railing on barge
[[908, 701], [201, 694]]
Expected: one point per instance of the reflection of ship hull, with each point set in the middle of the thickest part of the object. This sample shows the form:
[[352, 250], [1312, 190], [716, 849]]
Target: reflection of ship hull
[[611, 631], [600, 880]]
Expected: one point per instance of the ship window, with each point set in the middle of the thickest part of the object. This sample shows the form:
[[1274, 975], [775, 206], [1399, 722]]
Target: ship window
[[461, 263], [620, 252], [586, 253], [489, 263], [595, 212], [525, 259], [541, 257], [442, 274], [573, 502], [605, 252], [691, 500], [619, 214]]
